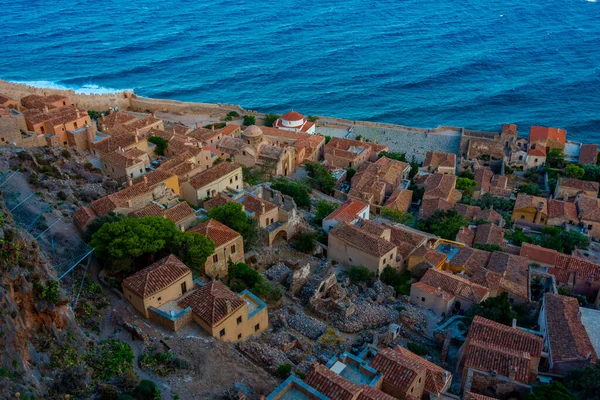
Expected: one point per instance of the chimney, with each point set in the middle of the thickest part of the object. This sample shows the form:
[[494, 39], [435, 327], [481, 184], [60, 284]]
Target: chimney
[[110, 110], [212, 127], [228, 307], [78, 112], [262, 207], [514, 322], [512, 372], [129, 181], [137, 136], [102, 116], [153, 114], [145, 179], [45, 109], [446, 376]]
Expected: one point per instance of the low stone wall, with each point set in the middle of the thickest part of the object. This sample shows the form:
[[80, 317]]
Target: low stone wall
[[98, 102], [174, 322], [145, 104]]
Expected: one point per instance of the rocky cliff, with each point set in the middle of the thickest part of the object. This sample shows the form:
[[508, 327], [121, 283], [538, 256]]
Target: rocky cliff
[[38, 332]]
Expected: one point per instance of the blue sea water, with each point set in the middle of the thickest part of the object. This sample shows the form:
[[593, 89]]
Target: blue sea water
[[471, 63]]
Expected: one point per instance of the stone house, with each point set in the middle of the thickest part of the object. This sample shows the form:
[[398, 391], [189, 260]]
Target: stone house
[[13, 130], [444, 292], [565, 338], [367, 245], [121, 121], [8, 102], [165, 280], [351, 211], [568, 189], [588, 154], [442, 163], [347, 153], [108, 144], [536, 156], [374, 182], [225, 315], [254, 149], [532, 209], [229, 246], [57, 122], [589, 214], [39, 102], [562, 213], [550, 138], [212, 181], [125, 163]]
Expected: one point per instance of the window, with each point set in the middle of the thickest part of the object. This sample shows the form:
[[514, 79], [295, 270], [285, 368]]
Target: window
[[239, 320], [236, 177], [183, 287], [422, 298], [160, 298], [230, 180], [222, 333], [131, 175], [2, 139], [420, 380], [233, 249], [536, 160], [256, 327], [522, 217], [239, 336], [216, 258], [140, 170], [64, 103], [75, 125]]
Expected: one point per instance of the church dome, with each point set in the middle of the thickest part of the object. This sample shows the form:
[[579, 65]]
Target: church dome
[[253, 131]]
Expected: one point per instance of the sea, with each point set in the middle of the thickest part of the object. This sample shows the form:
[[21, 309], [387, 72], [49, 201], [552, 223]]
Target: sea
[[423, 63]]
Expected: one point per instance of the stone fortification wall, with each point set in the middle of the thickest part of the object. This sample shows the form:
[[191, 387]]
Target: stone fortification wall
[[98, 102], [145, 104]]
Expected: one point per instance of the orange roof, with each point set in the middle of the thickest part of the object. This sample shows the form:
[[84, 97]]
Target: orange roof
[[457, 285], [212, 174], [488, 357], [588, 154], [400, 200], [542, 134], [475, 396], [361, 239], [578, 184], [539, 254], [435, 159], [217, 232], [568, 337], [437, 292], [229, 129], [210, 302], [331, 384], [292, 116], [217, 201], [537, 150], [505, 336], [348, 211], [157, 276], [559, 209]]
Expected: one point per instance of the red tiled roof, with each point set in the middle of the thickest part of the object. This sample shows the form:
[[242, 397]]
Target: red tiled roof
[[369, 393], [209, 302], [589, 208], [470, 258], [465, 235], [217, 201], [83, 216], [489, 234], [505, 336], [568, 337], [331, 384], [362, 239], [457, 285], [588, 154], [488, 357], [572, 183], [220, 234], [158, 276], [432, 256], [539, 254], [229, 129], [292, 116], [559, 209], [437, 292], [525, 201], [400, 200], [475, 396], [255, 205], [348, 211], [179, 212], [435, 159], [440, 185], [583, 269], [536, 150], [431, 205], [541, 134], [213, 174]]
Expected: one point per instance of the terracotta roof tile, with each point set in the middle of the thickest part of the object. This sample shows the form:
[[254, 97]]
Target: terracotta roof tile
[[568, 337], [489, 234], [331, 384], [369, 393], [475, 396], [217, 201], [440, 185], [501, 335], [457, 285], [560, 209], [489, 357], [470, 258], [578, 184], [431, 205], [589, 208], [432, 256], [435, 159], [158, 276], [255, 205], [210, 302], [348, 211], [525, 201], [361, 239], [542, 134], [220, 234], [213, 174], [400, 200], [539, 254], [588, 154]]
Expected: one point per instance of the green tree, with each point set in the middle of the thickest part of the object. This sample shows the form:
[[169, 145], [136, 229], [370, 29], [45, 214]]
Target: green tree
[[488, 247], [414, 168], [161, 144], [146, 390], [232, 215], [465, 184], [575, 171], [389, 276], [97, 223], [584, 383], [96, 114], [322, 176], [350, 172], [193, 249], [312, 118], [296, 190], [110, 359], [284, 370], [270, 119], [592, 172], [466, 174], [358, 274], [119, 243], [324, 208], [445, 224], [530, 189], [305, 242], [555, 159], [398, 216], [249, 120], [495, 308], [393, 155], [418, 349], [553, 391]]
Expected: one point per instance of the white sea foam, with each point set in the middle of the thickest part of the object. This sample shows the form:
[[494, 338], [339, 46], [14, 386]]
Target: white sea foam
[[85, 89]]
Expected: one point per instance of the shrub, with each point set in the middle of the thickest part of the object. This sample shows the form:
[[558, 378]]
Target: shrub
[[161, 144], [146, 390], [397, 216], [418, 349], [350, 172], [110, 359], [393, 155], [575, 171], [284, 370], [296, 190], [358, 274], [530, 189], [322, 176], [51, 292], [249, 120], [62, 195], [305, 242], [270, 119], [66, 153], [324, 208]]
